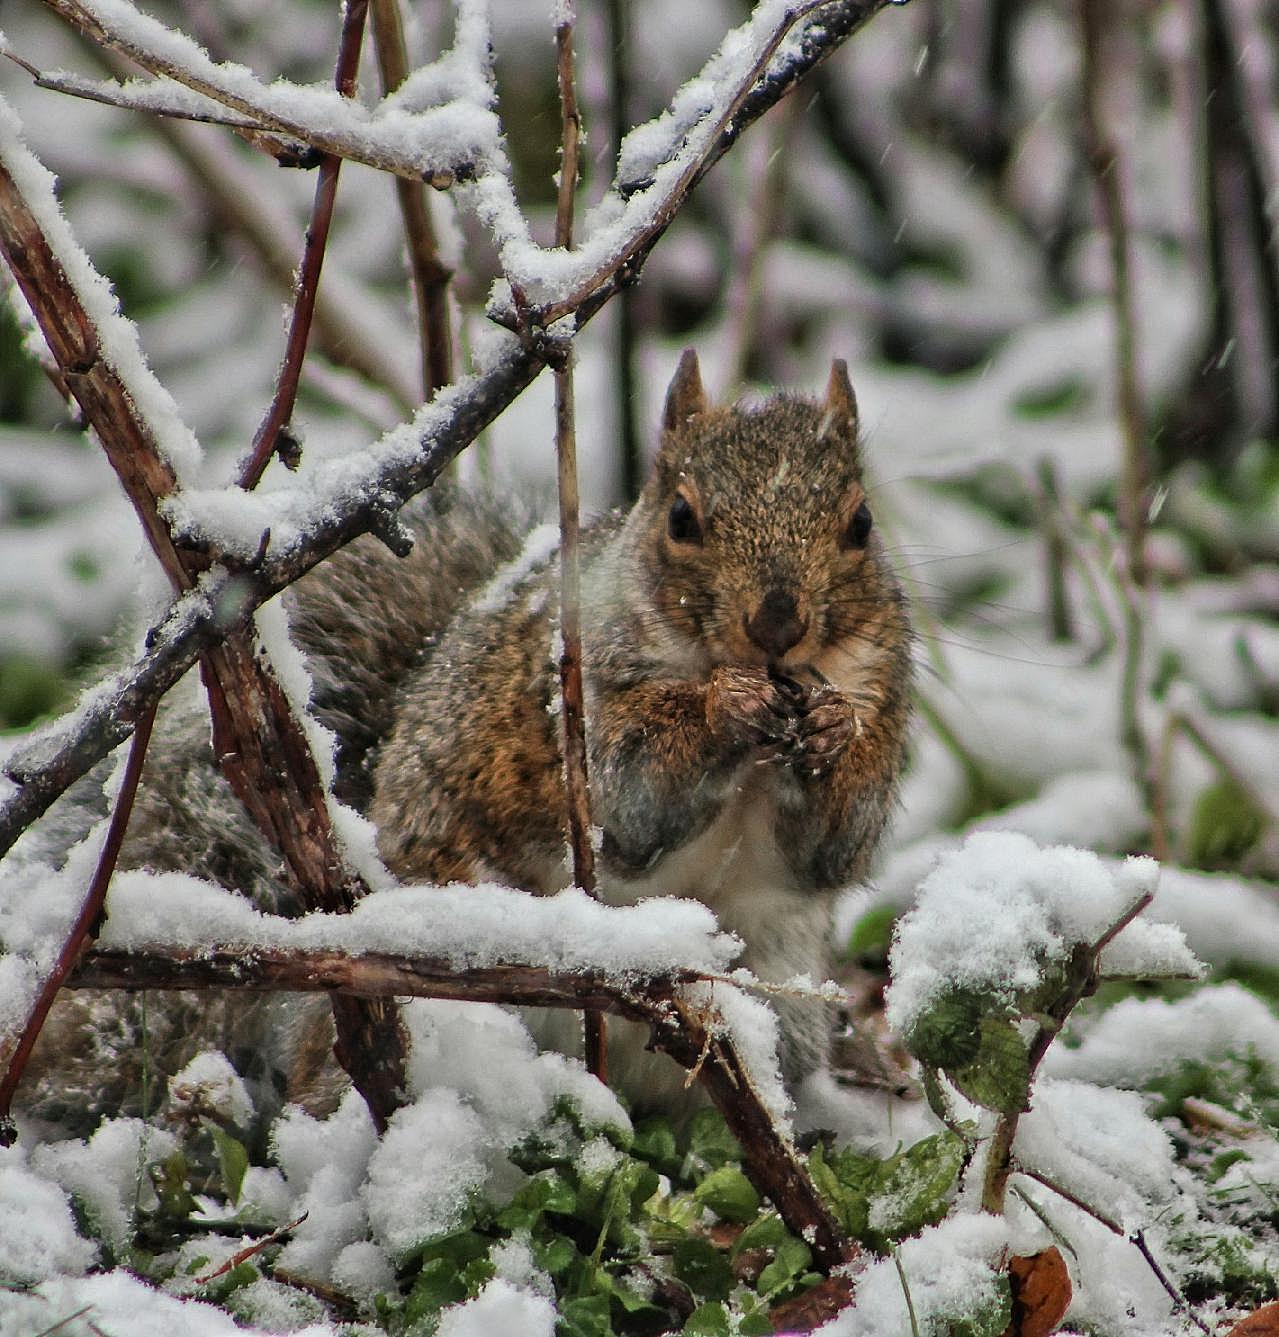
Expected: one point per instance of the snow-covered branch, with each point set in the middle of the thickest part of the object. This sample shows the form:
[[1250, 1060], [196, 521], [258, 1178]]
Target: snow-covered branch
[[330, 506]]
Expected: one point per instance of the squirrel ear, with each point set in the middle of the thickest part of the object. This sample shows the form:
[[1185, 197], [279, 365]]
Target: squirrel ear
[[840, 417], [686, 397]]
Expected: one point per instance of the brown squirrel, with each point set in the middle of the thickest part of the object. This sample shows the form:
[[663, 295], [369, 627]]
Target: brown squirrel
[[747, 664], [747, 661]]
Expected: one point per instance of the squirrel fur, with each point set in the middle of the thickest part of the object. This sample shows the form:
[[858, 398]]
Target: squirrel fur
[[747, 668]]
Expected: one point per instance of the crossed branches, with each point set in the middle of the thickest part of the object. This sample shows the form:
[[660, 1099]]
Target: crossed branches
[[220, 581]]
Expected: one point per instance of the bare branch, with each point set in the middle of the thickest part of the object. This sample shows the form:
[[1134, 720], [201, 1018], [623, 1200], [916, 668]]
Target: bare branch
[[679, 1027], [351, 132], [66, 750], [262, 747], [266, 441], [576, 786], [430, 275], [82, 932]]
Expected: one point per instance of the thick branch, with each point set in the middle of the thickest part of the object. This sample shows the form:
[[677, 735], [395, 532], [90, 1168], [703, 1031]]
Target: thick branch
[[679, 1028], [262, 747]]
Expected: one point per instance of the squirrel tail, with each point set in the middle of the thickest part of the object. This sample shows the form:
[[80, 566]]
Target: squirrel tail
[[366, 618]]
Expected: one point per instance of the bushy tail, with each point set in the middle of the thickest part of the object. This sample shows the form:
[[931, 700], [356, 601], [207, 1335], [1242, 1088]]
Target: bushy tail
[[365, 618]]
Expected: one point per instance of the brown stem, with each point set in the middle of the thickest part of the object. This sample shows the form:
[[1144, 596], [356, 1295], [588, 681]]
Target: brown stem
[[85, 927], [616, 20], [280, 413], [1081, 981], [618, 269], [1104, 163], [685, 1031], [340, 141], [575, 777], [430, 275], [262, 746]]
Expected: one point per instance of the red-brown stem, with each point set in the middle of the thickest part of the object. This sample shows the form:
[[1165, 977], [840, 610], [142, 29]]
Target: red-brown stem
[[430, 275], [1081, 980], [575, 777], [280, 412], [86, 924]]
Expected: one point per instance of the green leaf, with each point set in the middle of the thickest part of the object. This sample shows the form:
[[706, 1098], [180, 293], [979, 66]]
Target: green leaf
[[709, 1320], [729, 1194], [998, 1075], [547, 1191], [233, 1160], [710, 1141], [703, 1269], [791, 1262], [655, 1143], [585, 1316], [766, 1233], [914, 1191], [1224, 825], [438, 1284], [872, 933], [948, 1033], [845, 1179], [555, 1255]]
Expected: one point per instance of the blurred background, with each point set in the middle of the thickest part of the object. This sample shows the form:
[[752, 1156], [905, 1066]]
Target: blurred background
[[942, 205]]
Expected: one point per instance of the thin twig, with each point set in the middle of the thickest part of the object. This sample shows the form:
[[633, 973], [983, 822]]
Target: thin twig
[[901, 1277], [1137, 1238], [1081, 980], [616, 270], [430, 275], [86, 924], [261, 746], [359, 141], [267, 441], [243, 1255], [576, 784], [616, 15]]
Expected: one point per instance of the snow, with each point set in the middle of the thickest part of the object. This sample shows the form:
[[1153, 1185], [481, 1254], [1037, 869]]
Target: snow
[[500, 1310], [1033, 905], [117, 336], [466, 926], [107, 1174], [39, 1240], [1101, 1143], [118, 1302], [424, 1171], [1206, 1026], [951, 1270], [209, 1085]]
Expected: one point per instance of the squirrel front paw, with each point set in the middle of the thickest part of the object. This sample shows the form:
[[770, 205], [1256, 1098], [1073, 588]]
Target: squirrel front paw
[[747, 705], [825, 726]]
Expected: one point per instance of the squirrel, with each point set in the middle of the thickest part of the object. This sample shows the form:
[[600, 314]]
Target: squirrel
[[747, 668], [747, 661]]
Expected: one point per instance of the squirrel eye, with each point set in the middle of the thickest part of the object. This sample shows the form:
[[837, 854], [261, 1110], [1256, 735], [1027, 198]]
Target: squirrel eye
[[858, 530], [682, 524]]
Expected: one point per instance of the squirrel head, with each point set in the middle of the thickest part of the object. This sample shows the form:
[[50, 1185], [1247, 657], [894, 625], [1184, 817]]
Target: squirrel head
[[758, 540]]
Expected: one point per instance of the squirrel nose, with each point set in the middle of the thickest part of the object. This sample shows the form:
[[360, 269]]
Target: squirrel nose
[[776, 625]]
